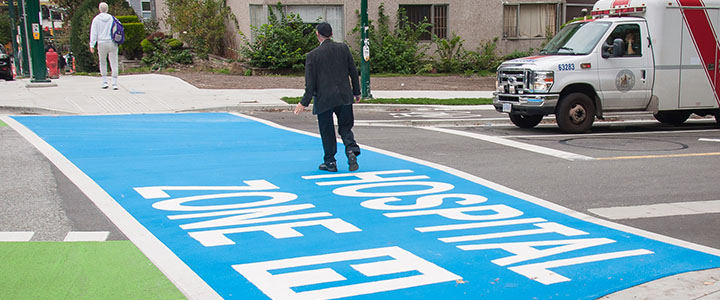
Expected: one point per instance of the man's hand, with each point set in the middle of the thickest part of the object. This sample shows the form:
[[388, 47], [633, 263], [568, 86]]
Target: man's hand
[[92, 50], [299, 108], [357, 98]]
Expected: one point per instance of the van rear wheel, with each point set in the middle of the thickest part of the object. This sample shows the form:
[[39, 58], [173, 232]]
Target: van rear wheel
[[672, 117], [524, 121], [575, 113]]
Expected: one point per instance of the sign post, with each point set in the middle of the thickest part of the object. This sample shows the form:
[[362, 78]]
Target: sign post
[[34, 40], [365, 46]]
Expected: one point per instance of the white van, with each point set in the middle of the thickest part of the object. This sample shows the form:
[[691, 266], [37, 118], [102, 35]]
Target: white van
[[632, 55]]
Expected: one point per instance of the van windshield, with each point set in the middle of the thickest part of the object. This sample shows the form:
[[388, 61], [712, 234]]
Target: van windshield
[[576, 38]]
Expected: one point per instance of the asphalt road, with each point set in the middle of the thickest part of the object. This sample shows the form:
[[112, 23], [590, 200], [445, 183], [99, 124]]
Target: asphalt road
[[629, 161], [36, 197]]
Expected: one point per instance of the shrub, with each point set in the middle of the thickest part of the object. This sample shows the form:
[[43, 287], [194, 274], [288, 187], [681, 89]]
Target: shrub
[[159, 54], [396, 50], [174, 44], [80, 32], [484, 59], [201, 24], [128, 19], [450, 53], [134, 34], [281, 44]]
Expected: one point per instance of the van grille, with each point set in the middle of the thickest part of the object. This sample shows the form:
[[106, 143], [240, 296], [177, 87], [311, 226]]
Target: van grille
[[513, 81]]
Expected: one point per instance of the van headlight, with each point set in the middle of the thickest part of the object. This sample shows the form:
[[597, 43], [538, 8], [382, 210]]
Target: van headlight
[[541, 81]]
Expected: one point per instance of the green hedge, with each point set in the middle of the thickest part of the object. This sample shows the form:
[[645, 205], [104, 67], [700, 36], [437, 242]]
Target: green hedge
[[128, 19], [134, 34]]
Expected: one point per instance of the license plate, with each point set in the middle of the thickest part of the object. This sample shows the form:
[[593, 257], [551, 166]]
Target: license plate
[[507, 107]]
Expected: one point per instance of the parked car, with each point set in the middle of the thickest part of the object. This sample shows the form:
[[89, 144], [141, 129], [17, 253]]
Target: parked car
[[5, 64]]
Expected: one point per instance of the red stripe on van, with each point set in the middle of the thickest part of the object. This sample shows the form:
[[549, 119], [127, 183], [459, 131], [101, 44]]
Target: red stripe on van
[[617, 3], [705, 40]]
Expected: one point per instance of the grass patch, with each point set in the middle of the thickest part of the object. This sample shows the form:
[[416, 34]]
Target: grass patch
[[422, 101], [80, 270], [2, 124]]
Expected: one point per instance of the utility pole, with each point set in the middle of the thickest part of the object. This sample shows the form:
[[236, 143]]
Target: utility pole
[[33, 40], [365, 46]]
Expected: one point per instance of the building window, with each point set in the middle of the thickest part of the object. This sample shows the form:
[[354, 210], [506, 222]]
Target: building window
[[435, 14], [529, 20], [146, 8], [310, 14]]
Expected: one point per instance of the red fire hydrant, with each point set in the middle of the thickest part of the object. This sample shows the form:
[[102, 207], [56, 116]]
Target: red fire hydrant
[[51, 60]]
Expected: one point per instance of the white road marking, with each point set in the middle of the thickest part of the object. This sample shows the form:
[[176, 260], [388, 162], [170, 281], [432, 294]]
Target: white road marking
[[515, 193], [86, 236], [16, 236], [187, 281], [709, 140], [514, 144], [658, 210]]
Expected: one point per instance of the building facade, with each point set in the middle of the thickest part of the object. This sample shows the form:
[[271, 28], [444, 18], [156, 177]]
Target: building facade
[[145, 9], [517, 24]]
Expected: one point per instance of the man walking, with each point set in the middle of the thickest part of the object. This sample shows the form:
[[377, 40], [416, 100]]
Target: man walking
[[101, 34], [329, 70]]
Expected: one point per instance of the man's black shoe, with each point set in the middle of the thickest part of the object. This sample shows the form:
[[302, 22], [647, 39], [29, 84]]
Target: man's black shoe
[[352, 161], [329, 166]]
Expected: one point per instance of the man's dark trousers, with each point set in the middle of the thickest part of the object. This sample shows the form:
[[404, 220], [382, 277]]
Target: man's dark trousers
[[327, 131]]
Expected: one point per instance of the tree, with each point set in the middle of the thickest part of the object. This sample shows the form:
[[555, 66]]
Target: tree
[[200, 23]]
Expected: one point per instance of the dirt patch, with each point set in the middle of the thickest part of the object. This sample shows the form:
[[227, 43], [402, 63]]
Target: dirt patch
[[208, 80]]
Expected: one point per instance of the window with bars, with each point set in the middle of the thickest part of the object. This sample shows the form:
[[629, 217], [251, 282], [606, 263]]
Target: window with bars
[[435, 14], [529, 20], [310, 14]]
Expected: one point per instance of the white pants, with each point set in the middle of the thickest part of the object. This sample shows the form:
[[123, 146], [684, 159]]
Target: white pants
[[108, 50]]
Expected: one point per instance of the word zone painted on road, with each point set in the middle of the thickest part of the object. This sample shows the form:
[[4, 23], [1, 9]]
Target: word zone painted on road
[[396, 194]]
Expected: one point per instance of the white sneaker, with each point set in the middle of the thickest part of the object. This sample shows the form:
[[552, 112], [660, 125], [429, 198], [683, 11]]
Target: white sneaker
[[115, 87], [105, 85]]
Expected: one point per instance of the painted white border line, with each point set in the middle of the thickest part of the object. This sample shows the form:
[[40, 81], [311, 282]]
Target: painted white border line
[[709, 140], [523, 196], [187, 281], [16, 236], [86, 236], [658, 210], [514, 144]]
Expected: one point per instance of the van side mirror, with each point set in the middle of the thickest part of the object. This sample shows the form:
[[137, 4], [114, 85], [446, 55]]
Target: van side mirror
[[614, 50]]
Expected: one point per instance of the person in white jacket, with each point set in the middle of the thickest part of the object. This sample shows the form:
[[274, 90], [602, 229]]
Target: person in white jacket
[[101, 34]]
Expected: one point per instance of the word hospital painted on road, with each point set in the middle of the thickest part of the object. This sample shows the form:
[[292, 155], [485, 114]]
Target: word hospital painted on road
[[382, 190]]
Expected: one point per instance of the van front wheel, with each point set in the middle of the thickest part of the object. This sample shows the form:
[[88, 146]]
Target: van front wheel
[[575, 113], [524, 121]]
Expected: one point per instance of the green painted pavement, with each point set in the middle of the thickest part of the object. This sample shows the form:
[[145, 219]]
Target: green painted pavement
[[2, 124], [80, 270]]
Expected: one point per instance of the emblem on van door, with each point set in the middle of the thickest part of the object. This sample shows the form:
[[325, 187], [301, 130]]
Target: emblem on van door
[[625, 80]]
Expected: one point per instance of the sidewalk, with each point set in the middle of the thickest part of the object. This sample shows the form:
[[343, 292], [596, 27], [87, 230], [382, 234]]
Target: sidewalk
[[154, 93]]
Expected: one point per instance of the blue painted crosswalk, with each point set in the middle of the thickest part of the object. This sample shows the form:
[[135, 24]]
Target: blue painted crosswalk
[[240, 202]]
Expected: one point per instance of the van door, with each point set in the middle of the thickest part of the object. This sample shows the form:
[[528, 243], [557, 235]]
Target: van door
[[626, 78]]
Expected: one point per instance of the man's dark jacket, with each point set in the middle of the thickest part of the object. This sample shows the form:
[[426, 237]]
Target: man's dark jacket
[[327, 69]]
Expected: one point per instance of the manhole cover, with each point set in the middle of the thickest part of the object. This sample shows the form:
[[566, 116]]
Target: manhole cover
[[623, 144]]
